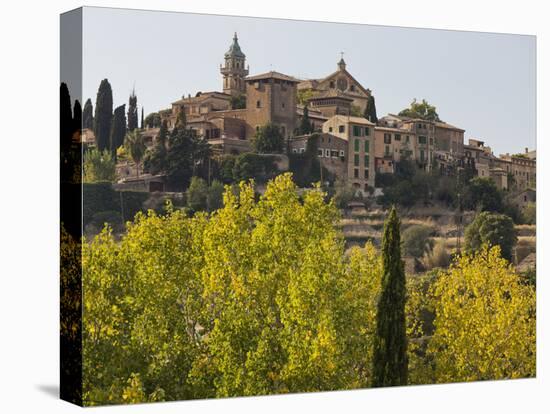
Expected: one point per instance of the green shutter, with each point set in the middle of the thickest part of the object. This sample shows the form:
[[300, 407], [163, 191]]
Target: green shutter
[[366, 161], [356, 160], [356, 143], [366, 146]]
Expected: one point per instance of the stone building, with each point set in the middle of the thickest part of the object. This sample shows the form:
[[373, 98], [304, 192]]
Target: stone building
[[522, 168], [339, 82], [270, 98], [334, 103], [331, 151], [233, 70], [359, 133], [400, 136]]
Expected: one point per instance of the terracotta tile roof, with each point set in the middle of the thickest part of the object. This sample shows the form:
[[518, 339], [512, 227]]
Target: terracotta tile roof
[[331, 93], [274, 75]]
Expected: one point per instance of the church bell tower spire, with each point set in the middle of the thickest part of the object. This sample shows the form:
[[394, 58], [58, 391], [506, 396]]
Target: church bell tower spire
[[234, 70]]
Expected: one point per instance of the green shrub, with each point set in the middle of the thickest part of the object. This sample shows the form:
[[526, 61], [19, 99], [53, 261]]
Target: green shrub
[[493, 229], [416, 240], [98, 197]]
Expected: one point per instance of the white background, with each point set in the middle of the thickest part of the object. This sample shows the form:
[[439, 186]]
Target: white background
[[29, 76]]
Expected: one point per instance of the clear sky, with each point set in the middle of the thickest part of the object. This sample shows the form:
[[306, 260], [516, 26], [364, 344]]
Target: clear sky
[[482, 82]]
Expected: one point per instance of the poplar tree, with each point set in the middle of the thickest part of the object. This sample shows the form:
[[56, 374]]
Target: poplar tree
[[390, 363], [103, 115]]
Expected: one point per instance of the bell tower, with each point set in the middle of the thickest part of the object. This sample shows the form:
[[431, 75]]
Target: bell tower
[[234, 70]]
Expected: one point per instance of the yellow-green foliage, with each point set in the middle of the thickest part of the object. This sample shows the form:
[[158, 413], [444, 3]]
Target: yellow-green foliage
[[257, 298], [484, 323]]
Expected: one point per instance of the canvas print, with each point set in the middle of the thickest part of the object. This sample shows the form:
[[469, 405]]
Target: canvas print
[[256, 206]]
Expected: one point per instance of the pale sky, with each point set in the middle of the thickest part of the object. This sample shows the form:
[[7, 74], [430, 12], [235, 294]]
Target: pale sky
[[482, 82]]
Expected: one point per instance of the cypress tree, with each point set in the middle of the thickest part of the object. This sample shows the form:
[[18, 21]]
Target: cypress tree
[[118, 130], [77, 116], [132, 112], [305, 124], [65, 116], [103, 115], [390, 362], [370, 110], [88, 115], [181, 120], [142, 123]]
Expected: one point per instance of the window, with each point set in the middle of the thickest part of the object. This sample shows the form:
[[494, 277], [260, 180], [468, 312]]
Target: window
[[334, 153], [342, 128], [367, 132], [329, 129], [357, 131], [327, 153], [422, 156], [332, 84], [397, 137], [387, 138], [258, 104], [356, 160], [352, 88], [366, 145], [356, 173], [421, 140], [320, 152], [431, 141], [387, 150], [294, 150], [283, 105], [407, 139], [419, 126], [342, 154], [366, 160], [366, 174], [356, 144], [302, 150]]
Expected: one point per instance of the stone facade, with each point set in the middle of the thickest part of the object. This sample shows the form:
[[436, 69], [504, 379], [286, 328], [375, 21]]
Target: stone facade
[[234, 71], [341, 82], [271, 98], [331, 151], [333, 103], [359, 133]]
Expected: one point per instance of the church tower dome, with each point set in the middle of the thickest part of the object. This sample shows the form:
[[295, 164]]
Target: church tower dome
[[234, 70]]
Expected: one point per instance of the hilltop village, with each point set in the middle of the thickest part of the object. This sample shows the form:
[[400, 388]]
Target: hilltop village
[[349, 145], [323, 131]]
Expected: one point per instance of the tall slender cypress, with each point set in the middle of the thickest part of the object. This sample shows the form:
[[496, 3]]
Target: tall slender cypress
[[77, 116], [132, 112], [142, 120], [305, 124], [390, 362], [118, 130], [103, 115], [370, 110], [88, 115]]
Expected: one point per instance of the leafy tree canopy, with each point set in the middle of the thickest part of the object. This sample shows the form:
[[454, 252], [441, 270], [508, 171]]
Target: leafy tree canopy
[[422, 110], [269, 139], [491, 229]]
